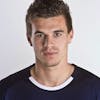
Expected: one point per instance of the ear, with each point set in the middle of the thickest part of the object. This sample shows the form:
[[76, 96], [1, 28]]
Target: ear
[[29, 39], [70, 36]]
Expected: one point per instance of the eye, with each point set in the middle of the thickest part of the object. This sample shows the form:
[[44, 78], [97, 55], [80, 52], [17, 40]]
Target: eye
[[39, 35], [57, 34]]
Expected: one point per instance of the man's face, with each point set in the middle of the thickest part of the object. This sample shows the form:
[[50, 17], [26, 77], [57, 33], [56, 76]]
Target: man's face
[[50, 39]]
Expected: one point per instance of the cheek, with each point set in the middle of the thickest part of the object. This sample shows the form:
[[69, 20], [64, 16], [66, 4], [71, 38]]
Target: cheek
[[63, 42], [37, 50], [37, 46], [63, 45], [35, 43]]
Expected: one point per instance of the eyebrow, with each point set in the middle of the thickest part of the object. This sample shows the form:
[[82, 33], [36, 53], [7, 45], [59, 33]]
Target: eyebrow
[[58, 31], [43, 32], [38, 32]]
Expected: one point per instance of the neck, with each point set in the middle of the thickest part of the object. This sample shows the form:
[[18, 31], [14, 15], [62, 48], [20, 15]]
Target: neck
[[52, 76]]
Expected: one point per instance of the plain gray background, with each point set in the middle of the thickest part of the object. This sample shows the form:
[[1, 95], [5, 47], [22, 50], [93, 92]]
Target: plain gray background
[[16, 53]]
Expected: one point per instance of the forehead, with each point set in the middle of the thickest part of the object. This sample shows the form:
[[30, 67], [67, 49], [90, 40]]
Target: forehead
[[57, 21]]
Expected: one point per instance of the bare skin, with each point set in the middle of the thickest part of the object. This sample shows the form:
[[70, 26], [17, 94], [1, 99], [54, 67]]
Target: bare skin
[[50, 40]]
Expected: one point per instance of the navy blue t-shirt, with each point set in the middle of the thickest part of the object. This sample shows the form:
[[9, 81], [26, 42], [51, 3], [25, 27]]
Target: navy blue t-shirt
[[82, 85]]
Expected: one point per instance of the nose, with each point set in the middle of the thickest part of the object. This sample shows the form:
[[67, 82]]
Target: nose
[[48, 41]]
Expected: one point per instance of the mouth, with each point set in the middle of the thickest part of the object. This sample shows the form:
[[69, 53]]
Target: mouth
[[50, 53]]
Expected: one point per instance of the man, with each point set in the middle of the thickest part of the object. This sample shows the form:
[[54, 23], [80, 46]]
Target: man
[[49, 32]]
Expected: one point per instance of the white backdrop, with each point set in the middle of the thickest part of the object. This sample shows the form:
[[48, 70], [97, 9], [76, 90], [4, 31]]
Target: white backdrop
[[15, 52]]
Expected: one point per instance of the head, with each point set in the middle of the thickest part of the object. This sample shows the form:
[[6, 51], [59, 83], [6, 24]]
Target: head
[[46, 9], [49, 31]]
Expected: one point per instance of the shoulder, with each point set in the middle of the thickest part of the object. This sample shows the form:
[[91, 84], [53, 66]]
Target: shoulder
[[86, 77], [12, 79], [21, 90], [83, 73], [87, 81]]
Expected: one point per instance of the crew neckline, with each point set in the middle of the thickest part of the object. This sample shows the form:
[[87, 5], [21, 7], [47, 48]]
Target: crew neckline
[[55, 88]]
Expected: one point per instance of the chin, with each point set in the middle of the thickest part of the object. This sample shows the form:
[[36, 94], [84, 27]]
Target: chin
[[48, 62], [51, 64]]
